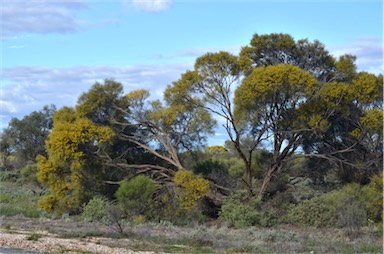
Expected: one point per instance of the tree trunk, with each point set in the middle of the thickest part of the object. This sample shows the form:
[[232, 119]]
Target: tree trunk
[[267, 179], [248, 179]]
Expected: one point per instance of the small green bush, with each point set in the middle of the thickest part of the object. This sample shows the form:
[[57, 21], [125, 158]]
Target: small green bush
[[96, 209], [348, 207], [100, 209], [15, 200], [134, 196], [269, 218], [374, 193], [351, 215], [9, 176], [28, 173], [33, 237], [241, 212], [316, 212]]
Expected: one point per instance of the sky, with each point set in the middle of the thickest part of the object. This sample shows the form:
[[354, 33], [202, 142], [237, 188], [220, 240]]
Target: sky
[[52, 51]]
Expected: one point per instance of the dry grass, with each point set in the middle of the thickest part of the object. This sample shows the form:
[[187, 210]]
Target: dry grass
[[165, 237]]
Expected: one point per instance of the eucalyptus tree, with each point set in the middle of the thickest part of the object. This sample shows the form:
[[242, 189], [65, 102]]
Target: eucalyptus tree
[[24, 138], [270, 102], [274, 49]]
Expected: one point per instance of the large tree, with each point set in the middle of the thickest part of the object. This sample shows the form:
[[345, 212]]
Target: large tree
[[25, 138], [354, 114], [274, 49], [161, 131], [269, 102]]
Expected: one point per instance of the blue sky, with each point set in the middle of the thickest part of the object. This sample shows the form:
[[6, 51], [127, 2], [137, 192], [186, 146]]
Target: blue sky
[[52, 51]]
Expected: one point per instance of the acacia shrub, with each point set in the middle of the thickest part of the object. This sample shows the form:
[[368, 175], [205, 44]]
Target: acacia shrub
[[189, 188], [135, 195], [316, 212], [350, 207], [96, 209], [240, 211]]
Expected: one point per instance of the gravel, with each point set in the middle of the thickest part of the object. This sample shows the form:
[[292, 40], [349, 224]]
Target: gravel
[[49, 243]]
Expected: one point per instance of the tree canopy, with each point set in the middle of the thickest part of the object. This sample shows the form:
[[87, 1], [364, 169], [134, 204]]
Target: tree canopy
[[288, 107]]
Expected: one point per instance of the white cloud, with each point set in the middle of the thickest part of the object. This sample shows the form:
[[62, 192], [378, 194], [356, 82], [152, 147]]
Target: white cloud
[[368, 50], [25, 89], [42, 16], [152, 5]]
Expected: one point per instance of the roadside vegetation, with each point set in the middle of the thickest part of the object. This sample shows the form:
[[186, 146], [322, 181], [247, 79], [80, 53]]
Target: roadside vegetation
[[301, 170]]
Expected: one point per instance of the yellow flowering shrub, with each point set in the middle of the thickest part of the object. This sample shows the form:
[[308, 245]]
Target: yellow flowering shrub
[[190, 188]]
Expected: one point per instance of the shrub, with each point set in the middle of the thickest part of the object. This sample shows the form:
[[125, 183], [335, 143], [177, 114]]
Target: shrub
[[351, 215], [374, 193], [209, 166], [189, 189], [269, 218], [9, 176], [96, 209], [15, 200], [134, 196], [100, 209], [241, 212], [28, 173], [317, 212], [348, 207]]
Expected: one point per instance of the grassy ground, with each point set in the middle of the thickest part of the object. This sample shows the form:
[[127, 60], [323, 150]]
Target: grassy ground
[[19, 212]]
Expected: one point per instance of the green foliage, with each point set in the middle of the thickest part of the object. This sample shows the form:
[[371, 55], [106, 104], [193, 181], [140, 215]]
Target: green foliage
[[135, 195], [348, 207], [33, 237], [26, 137], [100, 209], [239, 211], [16, 200], [98, 104], [346, 68], [352, 216], [316, 212], [217, 151], [28, 173], [274, 49], [374, 193], [9, 176], [96, 209], [209, 166]]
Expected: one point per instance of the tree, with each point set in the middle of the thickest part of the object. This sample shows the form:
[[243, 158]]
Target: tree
[[162, 131], [355, 120], [100, 102], [269, 102], [25, 138], [274, 49], [210, 86], [68, 168]]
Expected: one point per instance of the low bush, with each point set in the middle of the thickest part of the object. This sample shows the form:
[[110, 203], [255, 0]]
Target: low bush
[[100, 209], [240, 211], [96, 209], [316, 212], [9, 176], [28, 173], [349, 207], [15, 200], [135, 195]]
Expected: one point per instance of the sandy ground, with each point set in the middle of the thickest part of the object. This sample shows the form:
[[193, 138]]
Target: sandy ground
[[47, 243]]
